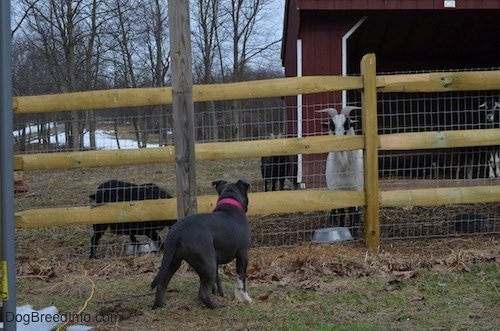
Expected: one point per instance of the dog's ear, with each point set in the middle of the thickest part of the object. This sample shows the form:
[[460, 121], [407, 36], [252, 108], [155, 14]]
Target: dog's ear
[[218, 184], [243, 185]]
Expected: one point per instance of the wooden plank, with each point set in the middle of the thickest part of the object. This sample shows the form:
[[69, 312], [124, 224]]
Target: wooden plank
[[406, 184], [205, 151], [92, 159], [257, 148], [277, 87], [440, 82], [103, 99], [107, 213], [440, 139], [440, 196], [261, 203], [118, 98], [370, 129], [183, 106]]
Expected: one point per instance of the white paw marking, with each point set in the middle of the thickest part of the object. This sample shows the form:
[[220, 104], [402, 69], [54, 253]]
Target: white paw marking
[[240, 294]]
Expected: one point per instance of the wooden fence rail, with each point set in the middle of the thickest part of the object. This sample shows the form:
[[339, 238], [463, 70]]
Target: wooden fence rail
[[270, 202], [261, 203], [118, 98], [256, 148]]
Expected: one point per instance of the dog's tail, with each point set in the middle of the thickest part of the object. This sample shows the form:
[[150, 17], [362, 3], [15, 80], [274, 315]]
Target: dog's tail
[[168, 254]]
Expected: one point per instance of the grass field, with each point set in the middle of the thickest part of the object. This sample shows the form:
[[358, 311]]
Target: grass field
[[435, 284], [415, 284]]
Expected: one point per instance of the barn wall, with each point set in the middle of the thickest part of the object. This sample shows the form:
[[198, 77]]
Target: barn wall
[[321, 34], [423, 35], [393, 4]]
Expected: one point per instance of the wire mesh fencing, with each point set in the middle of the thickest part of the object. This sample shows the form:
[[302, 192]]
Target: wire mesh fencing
[[247, 120]]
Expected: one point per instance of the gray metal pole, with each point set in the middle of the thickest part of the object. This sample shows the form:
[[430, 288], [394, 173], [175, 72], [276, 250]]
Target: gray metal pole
[[8, 251]]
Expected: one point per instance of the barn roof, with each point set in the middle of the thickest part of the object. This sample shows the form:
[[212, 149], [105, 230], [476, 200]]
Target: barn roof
[[406, 34]]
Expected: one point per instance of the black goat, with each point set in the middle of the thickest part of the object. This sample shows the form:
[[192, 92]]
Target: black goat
[[116, 191], [274, 169]]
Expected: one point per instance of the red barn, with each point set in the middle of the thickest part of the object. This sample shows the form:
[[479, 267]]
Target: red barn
[[329, 37]]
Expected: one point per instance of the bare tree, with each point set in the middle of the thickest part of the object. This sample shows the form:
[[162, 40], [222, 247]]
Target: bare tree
[[206, 15], [247, 43], [22, 12], [122, 31], [74, 45], [138, 31], [60, 28], [158, 62], [91, 68]]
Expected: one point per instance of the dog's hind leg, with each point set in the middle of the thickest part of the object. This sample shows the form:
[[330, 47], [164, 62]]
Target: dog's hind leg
[[161, 288], [240, 290], [205, 291], [206, 268], [217, 288]]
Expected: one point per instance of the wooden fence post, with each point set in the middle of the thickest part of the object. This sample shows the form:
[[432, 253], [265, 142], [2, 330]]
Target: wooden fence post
[[183, 107], [370, 131]]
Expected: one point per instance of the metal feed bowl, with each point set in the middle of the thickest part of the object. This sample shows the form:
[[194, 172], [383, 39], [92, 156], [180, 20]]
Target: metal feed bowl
[[332, 235], [141, 248]]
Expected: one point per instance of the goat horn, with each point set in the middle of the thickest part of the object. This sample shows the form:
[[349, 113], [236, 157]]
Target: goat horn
[[331, 111], [347, 110]]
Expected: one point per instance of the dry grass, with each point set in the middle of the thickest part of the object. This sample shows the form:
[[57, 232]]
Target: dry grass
[[286, 283], [419, 284]]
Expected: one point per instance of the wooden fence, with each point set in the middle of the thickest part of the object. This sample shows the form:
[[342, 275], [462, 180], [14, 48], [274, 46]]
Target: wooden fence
[[372, 198]]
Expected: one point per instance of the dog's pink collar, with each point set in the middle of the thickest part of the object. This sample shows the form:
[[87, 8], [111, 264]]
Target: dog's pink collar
[[229, 201]]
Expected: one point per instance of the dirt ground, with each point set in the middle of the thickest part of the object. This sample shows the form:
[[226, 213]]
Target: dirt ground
[[342, 259], [53, 265], [121, 282]]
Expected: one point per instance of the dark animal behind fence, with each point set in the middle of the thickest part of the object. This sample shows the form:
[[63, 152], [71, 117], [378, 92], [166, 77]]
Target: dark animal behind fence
[[119, 191], [274, 169]]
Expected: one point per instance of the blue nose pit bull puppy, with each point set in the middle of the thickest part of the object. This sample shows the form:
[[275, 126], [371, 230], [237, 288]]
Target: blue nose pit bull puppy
[[207, 240]]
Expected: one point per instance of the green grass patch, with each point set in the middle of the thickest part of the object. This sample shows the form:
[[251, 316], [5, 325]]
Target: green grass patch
[[429, 300]]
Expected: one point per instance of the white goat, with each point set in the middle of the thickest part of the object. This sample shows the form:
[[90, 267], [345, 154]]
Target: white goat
[[344, 169], [494, 158]]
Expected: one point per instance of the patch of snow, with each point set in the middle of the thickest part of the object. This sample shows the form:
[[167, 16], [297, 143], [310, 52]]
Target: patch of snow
[[104, 139]]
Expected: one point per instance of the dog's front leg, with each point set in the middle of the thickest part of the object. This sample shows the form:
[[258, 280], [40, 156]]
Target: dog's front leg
[[240, 290]]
